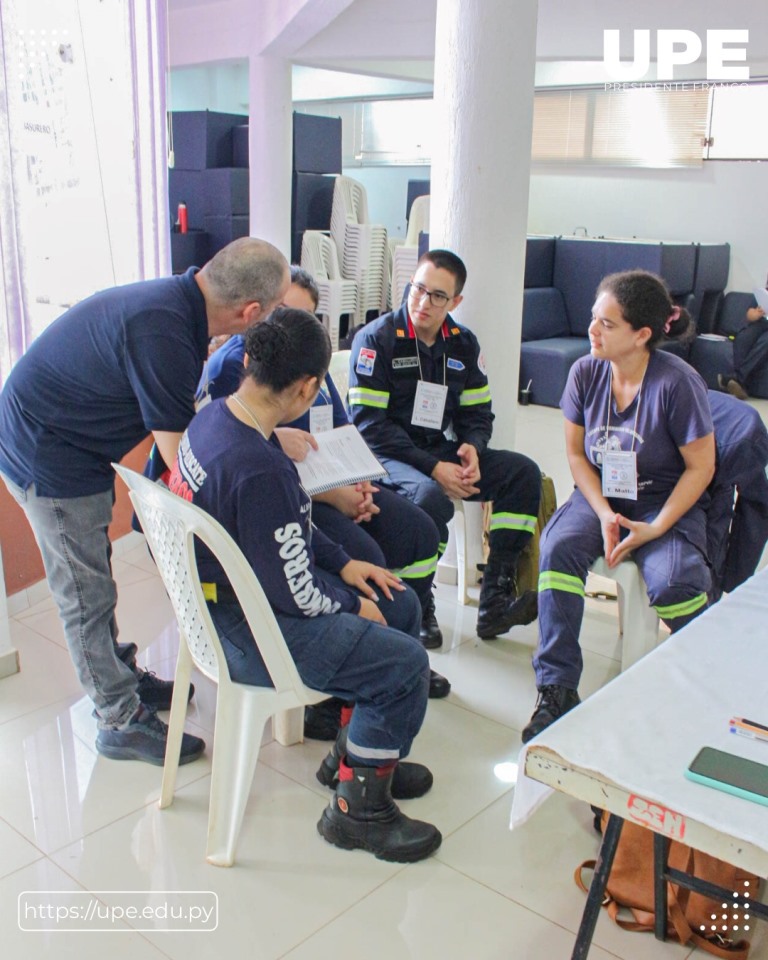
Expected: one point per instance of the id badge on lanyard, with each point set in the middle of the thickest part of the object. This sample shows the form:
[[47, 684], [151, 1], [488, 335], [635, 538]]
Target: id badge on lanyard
[[619, 470], [429, 405], [321, 418], [620, 474]]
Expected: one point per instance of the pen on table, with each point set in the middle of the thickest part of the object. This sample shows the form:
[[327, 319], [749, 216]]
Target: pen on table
[[748, 728]]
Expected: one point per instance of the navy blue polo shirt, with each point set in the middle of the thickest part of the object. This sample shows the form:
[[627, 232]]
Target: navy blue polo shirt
[[111, 369]]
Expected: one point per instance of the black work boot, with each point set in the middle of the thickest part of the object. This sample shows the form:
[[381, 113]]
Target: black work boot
[[500, 607], [429, 634], [362, 815], [553, 702], [410, 780]]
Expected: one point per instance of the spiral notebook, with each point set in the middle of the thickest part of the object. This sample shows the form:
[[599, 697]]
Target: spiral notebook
[[342, 458]]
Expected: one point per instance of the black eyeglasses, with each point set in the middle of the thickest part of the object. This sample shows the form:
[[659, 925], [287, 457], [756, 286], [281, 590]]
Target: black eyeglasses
[[438, 299]]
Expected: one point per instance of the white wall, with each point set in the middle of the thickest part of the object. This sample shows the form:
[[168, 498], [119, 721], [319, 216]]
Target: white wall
[[387, 189], [721, 201], [222, 87]]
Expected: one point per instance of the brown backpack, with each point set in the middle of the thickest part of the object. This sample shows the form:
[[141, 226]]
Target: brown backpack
[[689, 914]]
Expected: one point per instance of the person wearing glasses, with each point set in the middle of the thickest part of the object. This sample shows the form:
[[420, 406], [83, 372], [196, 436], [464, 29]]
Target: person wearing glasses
[[419, 394]]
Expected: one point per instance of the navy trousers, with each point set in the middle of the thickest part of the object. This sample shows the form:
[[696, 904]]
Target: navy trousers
[[674, 568], [401, 537], [511, 480]]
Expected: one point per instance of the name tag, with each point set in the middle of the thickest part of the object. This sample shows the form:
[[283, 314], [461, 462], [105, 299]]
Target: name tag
[[620, 474], [429, 405], [400, 362]]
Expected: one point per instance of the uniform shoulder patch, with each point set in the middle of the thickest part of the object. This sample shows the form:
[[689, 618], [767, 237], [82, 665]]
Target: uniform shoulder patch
[[481, 364], [366, 358], [455, 364], [399, 332]]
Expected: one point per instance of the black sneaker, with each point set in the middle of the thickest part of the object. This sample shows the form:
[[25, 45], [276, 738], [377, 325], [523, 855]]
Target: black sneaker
[[430, 635], [553, 702], [144, 739], [322, 720], [156, 693], [439, 686]]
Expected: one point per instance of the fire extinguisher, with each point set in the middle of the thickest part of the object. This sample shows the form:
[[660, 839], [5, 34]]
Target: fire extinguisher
[[181, 218]]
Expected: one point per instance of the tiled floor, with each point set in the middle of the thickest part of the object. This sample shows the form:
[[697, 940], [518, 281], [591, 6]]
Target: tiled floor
[[73, 821]]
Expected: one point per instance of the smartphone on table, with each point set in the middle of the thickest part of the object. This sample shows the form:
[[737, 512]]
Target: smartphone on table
[[725, 771]]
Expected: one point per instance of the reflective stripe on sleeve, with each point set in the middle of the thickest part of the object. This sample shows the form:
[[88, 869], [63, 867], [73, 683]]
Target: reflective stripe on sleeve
[[365, 397], [470, 398]]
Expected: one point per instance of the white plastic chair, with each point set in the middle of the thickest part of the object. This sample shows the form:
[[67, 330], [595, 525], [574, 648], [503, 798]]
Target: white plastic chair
[[337, 296], [638, 621], [170, 525], [339, 371], [418, 220], [464, 550], [405, 257], [361, 246]]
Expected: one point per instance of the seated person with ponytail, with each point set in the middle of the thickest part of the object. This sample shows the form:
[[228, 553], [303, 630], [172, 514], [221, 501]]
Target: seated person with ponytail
[[351, 627], [640, 445], [369, 522]]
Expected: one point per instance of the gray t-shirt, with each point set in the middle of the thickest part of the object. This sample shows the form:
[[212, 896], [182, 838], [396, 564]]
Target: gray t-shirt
[[670, 411]]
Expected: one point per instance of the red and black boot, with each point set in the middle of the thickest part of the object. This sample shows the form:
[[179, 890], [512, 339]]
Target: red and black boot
[[410, 780], [362, 815]]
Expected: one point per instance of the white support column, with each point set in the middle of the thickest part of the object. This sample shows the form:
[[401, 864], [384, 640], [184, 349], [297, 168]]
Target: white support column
[[270, 148], [9, 656], [485, 52]]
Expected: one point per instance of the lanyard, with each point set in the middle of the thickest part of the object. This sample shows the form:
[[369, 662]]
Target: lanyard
[[637, 409], [418, 357]]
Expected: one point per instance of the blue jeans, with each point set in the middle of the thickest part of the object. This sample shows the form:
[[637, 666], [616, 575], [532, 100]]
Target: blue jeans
[[71, 533], [384, 670]]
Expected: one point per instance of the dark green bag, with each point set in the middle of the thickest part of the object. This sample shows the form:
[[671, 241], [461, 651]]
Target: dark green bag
[[528, 564]]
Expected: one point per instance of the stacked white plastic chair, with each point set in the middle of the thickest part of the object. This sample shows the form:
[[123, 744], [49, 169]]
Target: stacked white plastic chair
[[405, 256], [337, 296], [361, 246]]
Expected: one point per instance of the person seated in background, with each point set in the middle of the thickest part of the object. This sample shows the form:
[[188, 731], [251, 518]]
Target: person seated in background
[[370, 523], [419, 394], [640, 445], [351, 627], [736, 531], [750, 354]]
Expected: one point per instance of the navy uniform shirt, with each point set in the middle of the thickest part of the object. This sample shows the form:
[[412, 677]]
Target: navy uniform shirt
[[114, 367], [386, 363], [252, 488]]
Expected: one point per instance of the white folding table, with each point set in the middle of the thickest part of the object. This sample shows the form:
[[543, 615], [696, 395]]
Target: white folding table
[[627, 747]]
